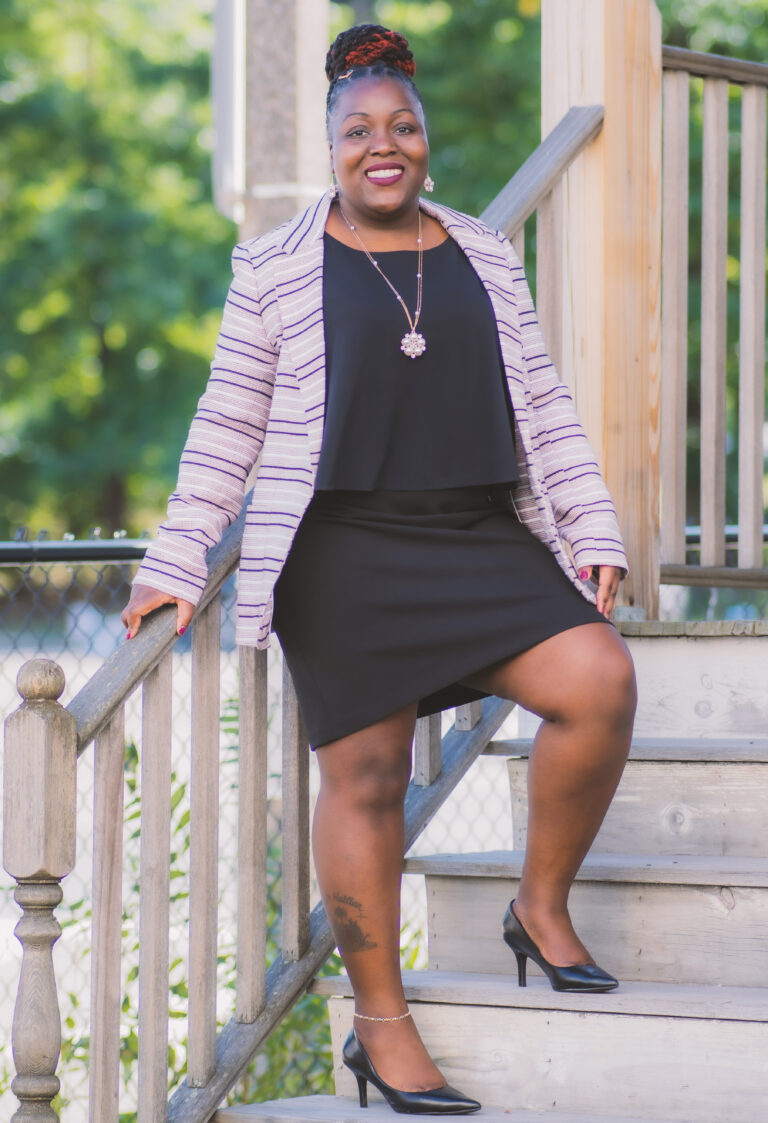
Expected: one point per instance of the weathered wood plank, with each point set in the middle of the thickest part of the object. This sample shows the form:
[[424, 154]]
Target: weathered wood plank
[[204, 844], [252, 836], [664, 1000], [106, 926], [427, 750], [710, 750], [717, 575], [337, 1109], [295, 833], [575, 1062], [752, 326], [155, 879], [674, 318], [518, 243], [672, 808], [649, 931], [714, 251]]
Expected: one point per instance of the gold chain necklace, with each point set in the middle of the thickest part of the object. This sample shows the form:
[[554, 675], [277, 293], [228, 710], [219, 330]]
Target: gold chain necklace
[[413, 342]]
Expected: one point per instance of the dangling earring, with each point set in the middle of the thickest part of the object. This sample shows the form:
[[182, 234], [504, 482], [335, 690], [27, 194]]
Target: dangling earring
[[333, 190], [429, 184]]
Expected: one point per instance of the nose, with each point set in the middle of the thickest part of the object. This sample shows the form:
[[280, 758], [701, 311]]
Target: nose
[[381, 142]]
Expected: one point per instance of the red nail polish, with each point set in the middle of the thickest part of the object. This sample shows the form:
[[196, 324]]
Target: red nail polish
[[127, 635], [182, 629], [584, 574]]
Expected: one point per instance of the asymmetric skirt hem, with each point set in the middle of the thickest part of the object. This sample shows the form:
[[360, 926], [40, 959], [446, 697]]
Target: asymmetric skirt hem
[[391, 598]]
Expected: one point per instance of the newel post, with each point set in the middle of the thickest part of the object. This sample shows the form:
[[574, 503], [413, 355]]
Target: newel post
[[38, 851], [602, 311]]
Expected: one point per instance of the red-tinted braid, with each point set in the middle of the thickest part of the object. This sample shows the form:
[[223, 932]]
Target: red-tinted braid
[[378, 48]]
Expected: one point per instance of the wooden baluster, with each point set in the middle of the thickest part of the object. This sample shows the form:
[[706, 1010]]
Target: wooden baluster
[[469, 715], [204, 845], [518, 243], [40, 796], [108, 798], [674, 315], [154, 893], [252, 836], [714, 249], [549, 276], [752, 326], [427, 751], [295, 828]]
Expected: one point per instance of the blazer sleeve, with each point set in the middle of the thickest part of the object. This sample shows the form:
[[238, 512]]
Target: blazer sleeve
[[223, 444], [584, 511]]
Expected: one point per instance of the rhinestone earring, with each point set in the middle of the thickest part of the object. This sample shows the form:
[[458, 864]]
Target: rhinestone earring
[[333, 190], [429, 184]]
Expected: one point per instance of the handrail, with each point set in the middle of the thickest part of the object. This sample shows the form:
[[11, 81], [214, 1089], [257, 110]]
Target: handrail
[[736, 70], [534, 179], [125, 668]]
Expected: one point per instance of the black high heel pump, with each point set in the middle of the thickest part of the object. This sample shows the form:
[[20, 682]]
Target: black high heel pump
[[436, 1101], [578, 977]]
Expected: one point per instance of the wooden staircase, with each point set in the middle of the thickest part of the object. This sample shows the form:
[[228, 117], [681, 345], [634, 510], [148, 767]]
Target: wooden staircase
[[673, 899]]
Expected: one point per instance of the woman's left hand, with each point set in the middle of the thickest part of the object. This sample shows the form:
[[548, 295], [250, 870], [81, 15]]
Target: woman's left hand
[[607, 588]]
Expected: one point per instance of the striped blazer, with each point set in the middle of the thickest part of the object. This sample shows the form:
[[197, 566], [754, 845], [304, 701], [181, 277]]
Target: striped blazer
[[266, 398]]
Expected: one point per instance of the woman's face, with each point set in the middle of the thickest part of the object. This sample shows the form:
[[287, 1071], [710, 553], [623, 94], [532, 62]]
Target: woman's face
[[379, 148]]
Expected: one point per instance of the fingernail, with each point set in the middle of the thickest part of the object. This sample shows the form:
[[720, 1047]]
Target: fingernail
[[182, 629], [584, 574], [127, 635]]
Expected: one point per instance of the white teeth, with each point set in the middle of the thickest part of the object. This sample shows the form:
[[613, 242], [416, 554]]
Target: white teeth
[[383, 173]]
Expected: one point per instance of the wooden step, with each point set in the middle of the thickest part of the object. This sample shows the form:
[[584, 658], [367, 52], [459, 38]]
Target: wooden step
[[672, 807], [689, 918], [341, 1109], [712, 750], [648, 1051]]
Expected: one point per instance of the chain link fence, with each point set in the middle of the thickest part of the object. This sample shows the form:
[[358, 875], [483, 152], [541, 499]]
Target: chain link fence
[[63, 601]]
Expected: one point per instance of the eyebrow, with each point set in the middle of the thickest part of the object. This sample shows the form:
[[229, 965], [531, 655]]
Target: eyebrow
[[359, 112]]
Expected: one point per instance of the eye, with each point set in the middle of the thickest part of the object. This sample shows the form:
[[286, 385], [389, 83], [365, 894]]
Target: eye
[[405, 129], [358, 131]]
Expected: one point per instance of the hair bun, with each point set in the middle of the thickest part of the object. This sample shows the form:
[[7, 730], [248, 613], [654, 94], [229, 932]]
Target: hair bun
[[366, 44]]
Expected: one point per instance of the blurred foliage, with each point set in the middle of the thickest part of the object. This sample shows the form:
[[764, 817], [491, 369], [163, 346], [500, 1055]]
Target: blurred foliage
[[114, 264]]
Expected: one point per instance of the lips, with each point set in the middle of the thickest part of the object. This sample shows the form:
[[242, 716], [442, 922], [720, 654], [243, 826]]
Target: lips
[[384, 174]]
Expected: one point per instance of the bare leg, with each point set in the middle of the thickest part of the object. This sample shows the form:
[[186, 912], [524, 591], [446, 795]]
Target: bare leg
[[581, 682], [358, 842]]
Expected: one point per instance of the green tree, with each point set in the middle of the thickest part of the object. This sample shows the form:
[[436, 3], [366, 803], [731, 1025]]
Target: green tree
[[113, 264]]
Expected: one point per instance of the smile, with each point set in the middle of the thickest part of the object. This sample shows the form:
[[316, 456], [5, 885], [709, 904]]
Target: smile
[[385, 175]]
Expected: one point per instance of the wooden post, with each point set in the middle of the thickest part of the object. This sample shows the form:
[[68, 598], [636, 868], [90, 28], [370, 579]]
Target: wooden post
[[608, 52], [39, 802], [286, 153]]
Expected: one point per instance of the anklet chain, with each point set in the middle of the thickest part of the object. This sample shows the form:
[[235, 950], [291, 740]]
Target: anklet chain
[[397, 1018]]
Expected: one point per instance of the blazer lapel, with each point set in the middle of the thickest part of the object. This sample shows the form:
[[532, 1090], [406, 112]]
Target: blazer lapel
[[299, 287]]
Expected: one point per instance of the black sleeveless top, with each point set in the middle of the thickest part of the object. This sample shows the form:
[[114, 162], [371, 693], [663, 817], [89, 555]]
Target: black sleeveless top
[[441, 420]]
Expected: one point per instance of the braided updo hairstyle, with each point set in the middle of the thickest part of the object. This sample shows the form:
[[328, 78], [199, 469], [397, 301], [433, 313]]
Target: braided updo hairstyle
[[367, 50]]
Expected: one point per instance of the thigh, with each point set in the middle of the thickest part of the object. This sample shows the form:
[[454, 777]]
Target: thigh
[[585, 666], [377, 754]]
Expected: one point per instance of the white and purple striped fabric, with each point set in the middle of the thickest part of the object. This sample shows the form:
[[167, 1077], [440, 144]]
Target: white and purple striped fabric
[[266, 396]]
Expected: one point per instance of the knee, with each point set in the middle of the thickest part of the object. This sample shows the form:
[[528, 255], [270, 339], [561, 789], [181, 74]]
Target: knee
[[615, 686], [373, 784]]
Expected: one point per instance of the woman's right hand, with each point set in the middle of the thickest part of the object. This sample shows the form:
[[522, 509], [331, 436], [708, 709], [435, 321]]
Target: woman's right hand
[[145, 600]]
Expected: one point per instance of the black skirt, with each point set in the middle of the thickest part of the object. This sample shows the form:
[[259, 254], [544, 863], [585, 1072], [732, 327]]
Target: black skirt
[[388, 598]]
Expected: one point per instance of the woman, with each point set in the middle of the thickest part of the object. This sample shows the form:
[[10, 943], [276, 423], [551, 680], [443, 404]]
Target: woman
[[425, 523]]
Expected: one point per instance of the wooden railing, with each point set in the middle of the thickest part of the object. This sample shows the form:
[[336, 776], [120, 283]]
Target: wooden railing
[[43, 743], [718, 75]]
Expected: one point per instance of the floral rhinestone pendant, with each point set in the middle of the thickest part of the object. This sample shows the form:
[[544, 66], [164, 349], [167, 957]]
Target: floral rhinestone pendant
[[413, 344]]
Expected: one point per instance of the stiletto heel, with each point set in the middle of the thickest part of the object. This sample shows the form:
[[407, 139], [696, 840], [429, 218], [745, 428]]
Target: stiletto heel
[[362, 1089], [435, 1101], [577, 977]]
